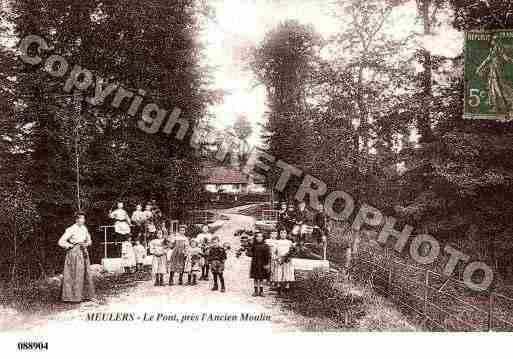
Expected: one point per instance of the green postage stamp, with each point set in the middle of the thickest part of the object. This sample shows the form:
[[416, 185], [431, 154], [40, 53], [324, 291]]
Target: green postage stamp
[[489, 75]]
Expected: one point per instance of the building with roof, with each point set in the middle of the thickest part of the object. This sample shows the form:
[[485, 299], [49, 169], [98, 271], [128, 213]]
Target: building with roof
[[222, 179]]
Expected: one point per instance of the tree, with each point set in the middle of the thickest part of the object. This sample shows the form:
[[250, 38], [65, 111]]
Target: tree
[[15, 227], [460, 189], [427, 10], [361, 94], [478, 14], [117, 160], [7, 96], [372, 57], [284, 63]]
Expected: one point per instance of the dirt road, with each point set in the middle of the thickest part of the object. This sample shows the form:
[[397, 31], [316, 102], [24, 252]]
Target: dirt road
[[146, 300]]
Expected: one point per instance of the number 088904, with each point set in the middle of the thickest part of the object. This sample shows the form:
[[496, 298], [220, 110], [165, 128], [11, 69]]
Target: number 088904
[[33, 346]]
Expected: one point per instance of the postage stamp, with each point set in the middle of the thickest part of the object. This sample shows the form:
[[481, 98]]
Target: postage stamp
[[489, 75], [268, 178]]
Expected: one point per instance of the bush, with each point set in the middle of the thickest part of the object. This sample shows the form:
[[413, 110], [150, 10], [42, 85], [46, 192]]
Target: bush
[[43, 296], [315, 295], [193, 230]]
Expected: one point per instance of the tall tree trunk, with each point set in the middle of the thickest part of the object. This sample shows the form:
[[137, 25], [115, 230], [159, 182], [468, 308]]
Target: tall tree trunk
[[424, 119], [363, 129]]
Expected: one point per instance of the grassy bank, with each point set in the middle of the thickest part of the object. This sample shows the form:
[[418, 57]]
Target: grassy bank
[[335, 304], [42, 298]]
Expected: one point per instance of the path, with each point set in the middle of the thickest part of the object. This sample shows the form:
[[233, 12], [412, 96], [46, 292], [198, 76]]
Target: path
[[146, 298]]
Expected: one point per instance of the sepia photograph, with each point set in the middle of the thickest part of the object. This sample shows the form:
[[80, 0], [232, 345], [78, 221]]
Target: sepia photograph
[[256, 177]]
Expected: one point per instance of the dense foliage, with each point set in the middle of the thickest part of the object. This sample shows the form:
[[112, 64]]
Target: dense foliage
[[371, 111], [152, 46], [385, 123]]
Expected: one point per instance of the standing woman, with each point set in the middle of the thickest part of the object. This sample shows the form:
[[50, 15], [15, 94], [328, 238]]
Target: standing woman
[[260, 254], [77, 283]]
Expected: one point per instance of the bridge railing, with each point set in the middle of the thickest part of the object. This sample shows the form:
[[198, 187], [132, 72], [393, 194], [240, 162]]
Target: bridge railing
[[201, 217], [173, 228]]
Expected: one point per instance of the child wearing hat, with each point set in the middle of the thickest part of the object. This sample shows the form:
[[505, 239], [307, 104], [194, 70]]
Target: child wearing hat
[[192, 262], [159, 265], [204, 240], [178, 255]]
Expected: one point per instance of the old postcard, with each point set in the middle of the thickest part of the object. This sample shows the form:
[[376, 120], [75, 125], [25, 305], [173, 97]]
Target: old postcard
[[208, 177]]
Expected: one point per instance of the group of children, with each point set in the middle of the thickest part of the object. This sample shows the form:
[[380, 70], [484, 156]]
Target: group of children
[[296, 220], [142, 226], [132, 256], [177, 254], [270, 260]]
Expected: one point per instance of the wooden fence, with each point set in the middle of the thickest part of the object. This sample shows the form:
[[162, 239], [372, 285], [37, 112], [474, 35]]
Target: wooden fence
[[438, 303]]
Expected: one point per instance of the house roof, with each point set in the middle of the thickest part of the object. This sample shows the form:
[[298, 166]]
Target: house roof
[[223, 175]]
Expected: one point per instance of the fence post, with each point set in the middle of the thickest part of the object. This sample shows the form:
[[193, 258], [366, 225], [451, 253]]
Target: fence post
[[374, 268], [390, 275], [325, 248], [105, 242], [490, 311], [426, 295]]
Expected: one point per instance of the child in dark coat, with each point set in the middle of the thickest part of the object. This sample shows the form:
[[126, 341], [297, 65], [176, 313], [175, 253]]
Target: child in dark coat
[[260, 254], [216, 258]]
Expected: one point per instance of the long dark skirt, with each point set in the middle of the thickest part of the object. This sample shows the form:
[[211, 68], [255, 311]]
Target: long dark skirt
[[77, 283], [260, 258], [257, 271]]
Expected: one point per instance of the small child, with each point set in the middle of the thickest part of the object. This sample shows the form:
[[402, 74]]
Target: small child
[[159, 265], [192, 263], [283, 269], [127, 255], [260, 254], [216, 257], [140, 255], [204, 239], [178, 255], [164, 230]]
